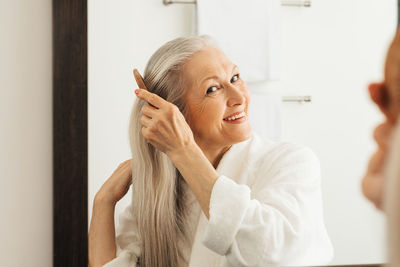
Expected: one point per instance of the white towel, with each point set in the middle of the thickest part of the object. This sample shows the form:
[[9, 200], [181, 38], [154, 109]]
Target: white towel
[[265, 114], [248, 31]]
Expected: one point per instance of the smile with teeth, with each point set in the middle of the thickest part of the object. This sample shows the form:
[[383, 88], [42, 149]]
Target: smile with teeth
[[235, 117]]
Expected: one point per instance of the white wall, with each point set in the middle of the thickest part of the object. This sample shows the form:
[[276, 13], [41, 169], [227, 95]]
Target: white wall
[[26, 133], [330, 51]]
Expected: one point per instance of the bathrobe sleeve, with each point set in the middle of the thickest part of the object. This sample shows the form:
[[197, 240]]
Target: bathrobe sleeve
[[277, 219], [127, 241]]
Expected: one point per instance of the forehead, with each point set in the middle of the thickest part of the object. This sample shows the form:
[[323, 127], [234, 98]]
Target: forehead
[[208, 62], [392, 66]]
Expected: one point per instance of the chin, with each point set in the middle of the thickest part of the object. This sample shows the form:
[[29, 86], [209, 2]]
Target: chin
[[243, 136]]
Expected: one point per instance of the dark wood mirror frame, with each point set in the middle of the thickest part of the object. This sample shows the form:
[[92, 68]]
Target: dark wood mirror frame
[[70, 134]]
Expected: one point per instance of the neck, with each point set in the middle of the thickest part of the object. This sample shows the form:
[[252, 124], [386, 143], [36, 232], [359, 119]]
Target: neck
[[214, 154]]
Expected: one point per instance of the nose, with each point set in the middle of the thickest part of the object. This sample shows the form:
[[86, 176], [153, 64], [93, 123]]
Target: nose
[[235, 96]]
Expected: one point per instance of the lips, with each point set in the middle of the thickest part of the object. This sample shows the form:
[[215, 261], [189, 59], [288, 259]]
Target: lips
[[233, 114]]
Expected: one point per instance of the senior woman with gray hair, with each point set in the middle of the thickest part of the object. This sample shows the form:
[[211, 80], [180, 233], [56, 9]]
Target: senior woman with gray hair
[[207, 191], [381, 182]]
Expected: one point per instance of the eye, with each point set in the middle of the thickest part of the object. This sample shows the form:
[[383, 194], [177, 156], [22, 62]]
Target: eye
[[235, 78], [211, 89]]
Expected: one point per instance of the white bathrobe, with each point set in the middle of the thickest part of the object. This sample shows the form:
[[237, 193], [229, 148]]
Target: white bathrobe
[[265, 210]]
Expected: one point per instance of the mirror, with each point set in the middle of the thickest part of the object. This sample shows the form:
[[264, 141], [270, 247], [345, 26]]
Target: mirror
[[330, 51]]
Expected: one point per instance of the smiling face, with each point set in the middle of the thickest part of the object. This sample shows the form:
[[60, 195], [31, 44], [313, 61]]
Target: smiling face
[[215, 92]]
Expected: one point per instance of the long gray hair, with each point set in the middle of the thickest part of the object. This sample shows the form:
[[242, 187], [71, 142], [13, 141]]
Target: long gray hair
[[158, 187]]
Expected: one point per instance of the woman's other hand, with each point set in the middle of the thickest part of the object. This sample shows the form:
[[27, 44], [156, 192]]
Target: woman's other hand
[[117, 185], [102, 248]]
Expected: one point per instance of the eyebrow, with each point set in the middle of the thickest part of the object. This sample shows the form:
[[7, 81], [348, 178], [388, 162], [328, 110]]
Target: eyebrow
[[214, 77]]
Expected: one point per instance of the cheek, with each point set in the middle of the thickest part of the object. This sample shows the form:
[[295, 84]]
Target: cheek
[[212, 113], [208, 115], [246, 95]]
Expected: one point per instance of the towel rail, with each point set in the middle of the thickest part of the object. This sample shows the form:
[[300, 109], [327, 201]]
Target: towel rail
[[299, 3], [300, 99]]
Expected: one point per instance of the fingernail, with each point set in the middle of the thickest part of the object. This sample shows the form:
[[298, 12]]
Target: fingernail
[[136, 91]]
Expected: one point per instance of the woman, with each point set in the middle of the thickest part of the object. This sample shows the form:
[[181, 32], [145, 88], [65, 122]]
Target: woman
[[206, 190], [385, 162]]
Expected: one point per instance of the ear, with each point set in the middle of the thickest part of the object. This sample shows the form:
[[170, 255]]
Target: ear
[[380, 95]]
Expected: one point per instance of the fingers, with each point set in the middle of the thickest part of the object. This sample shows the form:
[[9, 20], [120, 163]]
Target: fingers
[[146, 134], [145, 121], [127, 162], [149, 111], [126, 168], [144, 94], [139, 79], [151, 98], [124, 165]]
